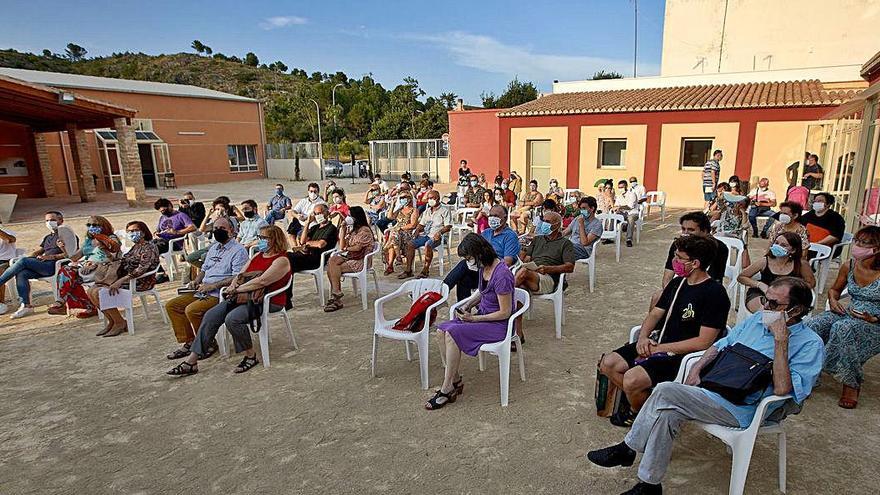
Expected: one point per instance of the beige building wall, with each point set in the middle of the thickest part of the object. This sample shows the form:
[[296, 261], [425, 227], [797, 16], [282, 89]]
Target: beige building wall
[[634, 162], [684, 188], [767, 35], [777, 145], [558, 137]]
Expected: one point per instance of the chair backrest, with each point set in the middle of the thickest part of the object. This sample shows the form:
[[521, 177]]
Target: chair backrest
[[656, 198], [462, 215], [420, 286], [822, 253], [569, 194], [837, 249], [520, 296], [611, 221], [735, 248]]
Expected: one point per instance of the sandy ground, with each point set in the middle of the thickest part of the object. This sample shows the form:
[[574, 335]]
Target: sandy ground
[[86, 415]]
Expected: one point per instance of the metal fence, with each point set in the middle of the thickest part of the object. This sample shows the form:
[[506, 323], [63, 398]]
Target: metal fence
[[416, 156], [290, 150]]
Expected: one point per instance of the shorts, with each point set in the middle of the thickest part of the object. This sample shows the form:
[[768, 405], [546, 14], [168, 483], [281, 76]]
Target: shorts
[[420, 241], [659, 369], [546, 284], [709, 196]]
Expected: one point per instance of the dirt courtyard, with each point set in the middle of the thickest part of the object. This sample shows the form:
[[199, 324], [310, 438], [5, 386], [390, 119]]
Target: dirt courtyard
[[86, 415]]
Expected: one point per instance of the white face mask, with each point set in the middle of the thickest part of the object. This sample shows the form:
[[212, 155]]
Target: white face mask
[[472, 265], [818, 207], [432, 202], [494, 222], [337, 200], [499, 198], [313, 195], [769, 317], [784, 219], [52, 225], [320, 218], [349, 221]]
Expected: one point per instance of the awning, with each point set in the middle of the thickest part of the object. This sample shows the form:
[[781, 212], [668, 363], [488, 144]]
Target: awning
[[109, 136]]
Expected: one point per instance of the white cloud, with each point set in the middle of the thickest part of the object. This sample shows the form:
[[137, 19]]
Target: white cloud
[[282, 21], [491, 55]]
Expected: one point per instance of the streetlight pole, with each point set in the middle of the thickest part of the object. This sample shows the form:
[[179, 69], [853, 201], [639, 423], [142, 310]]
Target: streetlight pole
[[335, 130], [320, 143], [635, 35]]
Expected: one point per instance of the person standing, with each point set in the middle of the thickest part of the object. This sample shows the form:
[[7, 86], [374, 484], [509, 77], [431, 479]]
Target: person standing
[[711, 173], [7, 252], [813, 174], [627, 204], [515, 183], [464, 174], [763, 200]]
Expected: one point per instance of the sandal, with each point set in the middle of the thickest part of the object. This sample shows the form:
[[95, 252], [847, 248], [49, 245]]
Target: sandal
[[106, 329], [423, 274], [334, 304], [246, 364], [849, 402], [405, 275], [115, 331], [457, 385], [447, 398], [57, 310], [184, 369], [389, 270], [180, 353], [88, 313]]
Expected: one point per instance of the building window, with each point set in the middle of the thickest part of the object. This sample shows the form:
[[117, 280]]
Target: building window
[[242, 157], [539, 161], [695, 152], [612, 153], [142, 124]]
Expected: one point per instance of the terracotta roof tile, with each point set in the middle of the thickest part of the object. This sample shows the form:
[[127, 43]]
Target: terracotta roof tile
[[705, 97]]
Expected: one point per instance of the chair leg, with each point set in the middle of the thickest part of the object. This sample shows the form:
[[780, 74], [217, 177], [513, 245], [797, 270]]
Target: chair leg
[[373, 355], [362, 283], [522, 360], [143, 298], [264, 343], [423, 360], [408, 351], [591, 270], [161, 308], [739, 469], [376, 283], [782, 462], [289, 329], [504, 372], [222, 346], [129, 315], [557, 309], [481, 360]]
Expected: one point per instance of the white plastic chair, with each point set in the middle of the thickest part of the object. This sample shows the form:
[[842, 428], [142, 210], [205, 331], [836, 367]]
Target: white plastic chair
[[319, 274], [19, 253], [821, 263], [263, 334], [52, 280], [613, 225], [383, 328], [129, 311], [742, 440], [634, 337], [461, 217], [590, 264], [359, 279], [441, 259], [569, 195], [735, 248], [502, 348], [124, 242], [557, 298], [836, 254], [640, 223], [656, 199], [170, 257]]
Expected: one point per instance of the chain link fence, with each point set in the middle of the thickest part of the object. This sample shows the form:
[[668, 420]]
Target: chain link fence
[[284, 151], [416, 156]]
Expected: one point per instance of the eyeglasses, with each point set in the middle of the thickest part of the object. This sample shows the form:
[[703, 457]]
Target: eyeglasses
[[132, 231], [863, 243], [771, 304], [683, 260], [262, 237]]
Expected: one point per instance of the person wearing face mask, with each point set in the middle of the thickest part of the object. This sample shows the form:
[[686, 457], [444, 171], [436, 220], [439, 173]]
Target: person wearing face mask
[[734, 219], [434, 223], [490, 198], [221, 213], [425, 186], [763, 200], [224, 259], [355, 243], [784, 258], [195, 210], [555, 192], [824, 225], [302, 211], [778, 333], [274, 272], [638, 189], [56, 245], [586, 229], [339, 208], [328, 191], [851, 330], [470, 329], [405, 218], [627, 204], [786, 220], [520, 216], [376, 205], [141, 258], [474, 194], [813, 173], [249, 229], [508, 195], [277, 206], [7, 253], [100, 245], [736, 185], [172, 224], [688, 317], [321, 236], [551, 254], [515, 183], [719, 204], [605, 199]]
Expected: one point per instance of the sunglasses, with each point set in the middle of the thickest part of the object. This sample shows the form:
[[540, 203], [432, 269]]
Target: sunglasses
[[771, 304]]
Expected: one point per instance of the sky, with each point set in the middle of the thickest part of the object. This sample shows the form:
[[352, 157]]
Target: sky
[[464, 47]]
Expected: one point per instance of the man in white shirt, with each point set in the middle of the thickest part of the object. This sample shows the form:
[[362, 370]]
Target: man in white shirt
[[303, 209], [383, 186], [435, 222], [763, 200], [7, 252], [627, 204], [639, 189]]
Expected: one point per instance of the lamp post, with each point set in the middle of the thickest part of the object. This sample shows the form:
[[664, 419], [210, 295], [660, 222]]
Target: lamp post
[[320, 143], [335, 130]]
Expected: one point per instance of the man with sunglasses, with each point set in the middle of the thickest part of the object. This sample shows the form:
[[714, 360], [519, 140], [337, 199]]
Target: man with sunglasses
[[776, 332]]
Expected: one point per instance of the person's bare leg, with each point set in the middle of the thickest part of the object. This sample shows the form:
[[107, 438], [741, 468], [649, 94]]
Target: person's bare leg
[[453, 360], [2, 288], [429, 255], [410, 256], [614, 366], [528, 280], [636, 386], [334, 274]]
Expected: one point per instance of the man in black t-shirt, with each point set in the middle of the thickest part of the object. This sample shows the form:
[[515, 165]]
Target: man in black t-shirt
[[813, 174], [824, 225], [689, 317], [320, 237]]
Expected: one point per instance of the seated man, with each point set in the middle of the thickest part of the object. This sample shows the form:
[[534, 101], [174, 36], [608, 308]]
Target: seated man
[[507, 247], [585, 229], [278, 205], [435, 222], [321, 236], [250, 227], [690, 315], [7, 252], [473, 197], [58, 244], [626, 203], [824, 225], [551, 254], [778, 333], [762, 200], [224, 260], [302, 211], [195, 210], [172, 224]]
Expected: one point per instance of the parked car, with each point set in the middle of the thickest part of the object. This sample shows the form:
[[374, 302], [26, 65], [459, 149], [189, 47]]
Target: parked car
[[361, 170], [332, 168]]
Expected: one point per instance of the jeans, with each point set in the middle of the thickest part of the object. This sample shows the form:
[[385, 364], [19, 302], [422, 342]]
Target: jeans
[[462, 279], [631, 217], [24, 270], [273, 215], [760, 211], [236, 320], [384, 223]]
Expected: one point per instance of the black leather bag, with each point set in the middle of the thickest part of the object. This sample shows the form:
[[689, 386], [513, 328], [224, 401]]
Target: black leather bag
[[737, 372]]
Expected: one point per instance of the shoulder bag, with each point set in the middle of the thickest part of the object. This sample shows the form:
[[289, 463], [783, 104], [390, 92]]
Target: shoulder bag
[[736, 373], [108, 272]]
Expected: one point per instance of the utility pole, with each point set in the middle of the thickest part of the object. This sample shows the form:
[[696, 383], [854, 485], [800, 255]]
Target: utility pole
[[320, 143], [635, 35], [335, 130]]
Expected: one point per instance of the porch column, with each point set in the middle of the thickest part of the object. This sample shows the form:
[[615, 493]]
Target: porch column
[[45, 165], [130, 162], [82, 163]]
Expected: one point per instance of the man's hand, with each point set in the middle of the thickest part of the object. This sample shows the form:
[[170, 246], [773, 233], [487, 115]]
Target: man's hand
[[581, 220], [693, 378], [643, 346], [436, 237], [42, 257], [60, 244], [779, 329], [205, 288], [114, 288], [542, 270]]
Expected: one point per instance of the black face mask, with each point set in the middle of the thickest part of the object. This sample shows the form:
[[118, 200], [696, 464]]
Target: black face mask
[[249, 213], [221, 236]]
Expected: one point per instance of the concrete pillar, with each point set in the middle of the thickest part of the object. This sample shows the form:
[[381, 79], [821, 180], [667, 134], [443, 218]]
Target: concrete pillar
[[82, 163], [45, 165], [130, 162]]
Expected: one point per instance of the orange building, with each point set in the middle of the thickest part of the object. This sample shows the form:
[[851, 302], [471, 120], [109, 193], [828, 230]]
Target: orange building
[[151, 135]]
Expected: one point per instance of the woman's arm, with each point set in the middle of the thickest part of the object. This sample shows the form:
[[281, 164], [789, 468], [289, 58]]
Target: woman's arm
[[807, 273], [503, 313], [745, 277], [835, 290], [413, 220], [276, 271]]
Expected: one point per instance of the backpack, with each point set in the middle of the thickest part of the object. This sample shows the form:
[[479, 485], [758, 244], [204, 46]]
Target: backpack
[[414, 319], [800, 195]]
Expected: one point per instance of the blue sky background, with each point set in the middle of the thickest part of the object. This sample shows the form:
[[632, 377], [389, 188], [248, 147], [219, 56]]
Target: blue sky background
[[459, 46]]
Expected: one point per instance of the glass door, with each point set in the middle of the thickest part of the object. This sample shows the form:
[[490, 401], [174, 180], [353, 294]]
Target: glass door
[[161, 161], [109, 154]]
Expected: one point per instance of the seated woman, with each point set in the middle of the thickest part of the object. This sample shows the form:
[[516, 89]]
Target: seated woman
[[375, 202], [481, 218], [338, 207], [355, 242], [468, 331], [787, 221], [401, 234], [272, 263], [100, 245], [735, 219], [719, 204], [851, 332], [736, 185], [143, 257], [519, 218], [555, 192], [605, 199], [784, 258]]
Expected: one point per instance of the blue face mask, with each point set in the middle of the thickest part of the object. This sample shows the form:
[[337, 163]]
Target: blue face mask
[[585, 213], [542, 229], [136, 235], [94, 230], [263, 245], [778, 251], [279, 192]]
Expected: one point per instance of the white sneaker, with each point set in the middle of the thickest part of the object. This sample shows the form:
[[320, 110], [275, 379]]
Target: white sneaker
[[22, 312], [3, 309]]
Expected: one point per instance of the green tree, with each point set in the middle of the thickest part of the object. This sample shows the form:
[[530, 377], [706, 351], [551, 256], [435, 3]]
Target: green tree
[[75, 52], [208, 50], [48, 54], [278, 66], [602, 74], [198, 46], [251, 59], [517, 93]]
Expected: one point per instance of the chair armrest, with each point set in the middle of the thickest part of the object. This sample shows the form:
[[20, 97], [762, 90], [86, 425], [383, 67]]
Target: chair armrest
[[269, 295], [379, 305], [171, 243], [758, 419], [60, 263], [325, 256], [461, 303], [687, 363], [429, 309]]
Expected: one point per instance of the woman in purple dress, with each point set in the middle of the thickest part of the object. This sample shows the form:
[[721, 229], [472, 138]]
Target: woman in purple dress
[[468, 331]]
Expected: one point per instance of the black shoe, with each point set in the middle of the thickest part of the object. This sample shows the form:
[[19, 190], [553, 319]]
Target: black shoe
[[616, 455], [607, 241], [643, 488], [624, 418], [629, 243], [763, 235]]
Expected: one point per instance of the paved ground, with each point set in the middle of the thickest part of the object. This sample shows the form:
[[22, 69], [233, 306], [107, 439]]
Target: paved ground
[[85, 415]]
